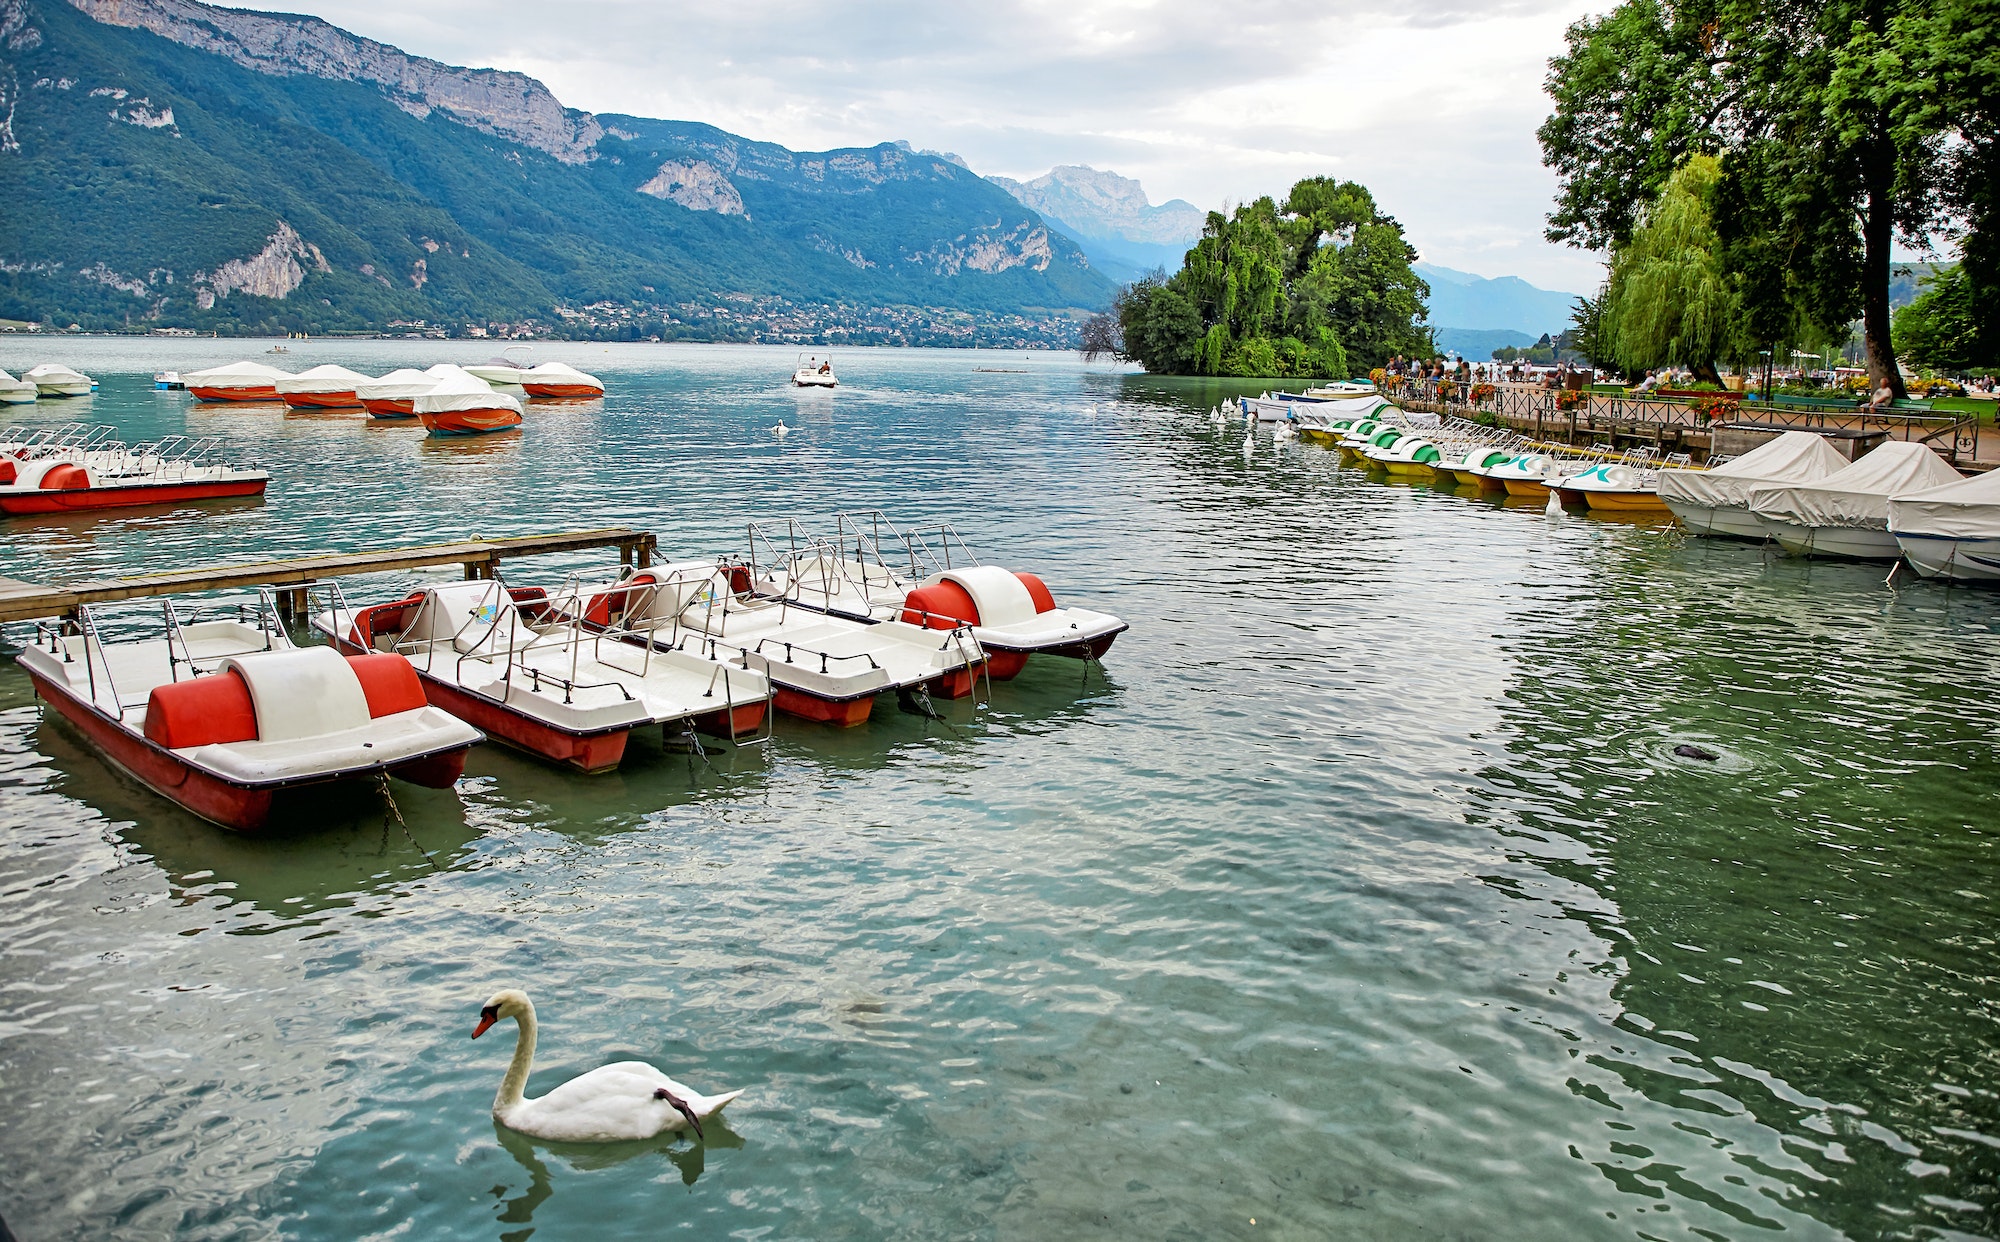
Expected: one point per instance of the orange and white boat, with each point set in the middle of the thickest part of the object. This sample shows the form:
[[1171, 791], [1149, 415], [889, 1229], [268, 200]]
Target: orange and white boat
[[327, 387], [462, 404], [239, 381], [394, 395], [556, 379], [226, 717]]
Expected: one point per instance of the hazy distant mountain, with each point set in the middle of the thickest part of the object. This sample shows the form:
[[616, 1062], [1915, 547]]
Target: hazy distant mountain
[[1109, 216], [179, 163], [1478, 344], [1461, 300]]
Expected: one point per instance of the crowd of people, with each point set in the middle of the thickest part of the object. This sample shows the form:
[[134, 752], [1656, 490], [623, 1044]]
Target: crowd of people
[[1562, 375]]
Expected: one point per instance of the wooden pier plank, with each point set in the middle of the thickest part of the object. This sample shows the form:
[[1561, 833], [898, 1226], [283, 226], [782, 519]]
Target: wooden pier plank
[[23, 601]]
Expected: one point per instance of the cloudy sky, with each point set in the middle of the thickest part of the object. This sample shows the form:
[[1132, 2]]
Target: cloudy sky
[[1432, 104]]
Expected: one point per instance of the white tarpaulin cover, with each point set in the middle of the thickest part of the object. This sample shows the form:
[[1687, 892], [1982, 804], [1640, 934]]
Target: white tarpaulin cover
[[457, 390], [1859, 495], [1966, 509], [399, 385], [235, 375], [328, 378], [1795, 457], [558, 373]]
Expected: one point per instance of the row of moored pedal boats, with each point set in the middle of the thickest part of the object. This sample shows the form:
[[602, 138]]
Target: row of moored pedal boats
[[1899, 501], [73, 467], [224, 713]]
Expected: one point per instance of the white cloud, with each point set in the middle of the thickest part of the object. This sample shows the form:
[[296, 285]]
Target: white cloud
[[1432, 105]]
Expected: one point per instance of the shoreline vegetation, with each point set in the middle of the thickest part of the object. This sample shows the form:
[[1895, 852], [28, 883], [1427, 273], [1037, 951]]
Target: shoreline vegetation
[[1318, 287]]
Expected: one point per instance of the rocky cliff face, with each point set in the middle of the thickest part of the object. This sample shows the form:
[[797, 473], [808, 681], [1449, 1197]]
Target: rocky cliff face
[[1104, 204], [272, 272], [696, 185], [513, 106]]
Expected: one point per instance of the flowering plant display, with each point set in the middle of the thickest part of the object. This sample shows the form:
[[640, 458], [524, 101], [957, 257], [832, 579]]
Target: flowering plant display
[[1447, 390], [1376, 376], [1482, 392], [1568, 399], [1712, 408]]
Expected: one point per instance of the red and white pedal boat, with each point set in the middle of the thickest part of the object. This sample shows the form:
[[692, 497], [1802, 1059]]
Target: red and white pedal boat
[[109, 475], [225, 716], [821, 667], [528, 671], [872, 571]]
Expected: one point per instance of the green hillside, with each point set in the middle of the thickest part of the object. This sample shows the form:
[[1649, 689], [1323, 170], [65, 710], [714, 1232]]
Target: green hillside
[[146, 177]]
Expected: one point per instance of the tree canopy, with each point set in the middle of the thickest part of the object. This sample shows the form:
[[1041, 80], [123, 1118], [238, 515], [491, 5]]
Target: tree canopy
[[1669, 298], [1941, 329], [1319, 287], [1838, 127]]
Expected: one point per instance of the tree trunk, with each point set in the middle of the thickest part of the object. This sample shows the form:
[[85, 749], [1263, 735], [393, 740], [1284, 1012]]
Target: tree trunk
[[1876, 232], [1705, 372]]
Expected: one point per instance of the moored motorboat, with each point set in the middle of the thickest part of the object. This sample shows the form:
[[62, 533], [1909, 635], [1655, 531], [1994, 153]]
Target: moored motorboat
[[1951, 531], [108, 475], [525, 669], [393, 396], [53, 379], [327, 387], [814, 373], [1846, 514], [462, 404], [225, 716], [503, 370], [238, 381], [822, 667], [16, 391], [168, 381], [872, 571], [1716, 501], [558, 379]]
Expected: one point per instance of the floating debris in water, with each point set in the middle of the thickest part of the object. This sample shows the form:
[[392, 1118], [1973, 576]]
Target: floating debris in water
[[1688, 750]]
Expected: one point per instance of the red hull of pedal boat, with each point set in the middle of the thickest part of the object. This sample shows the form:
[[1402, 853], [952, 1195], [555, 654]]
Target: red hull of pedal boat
[[589, 753], [470, 422], [320, 400], [561, 390], [242, 808], [73, 500], [843, 714], [265, 392], [403, 407]]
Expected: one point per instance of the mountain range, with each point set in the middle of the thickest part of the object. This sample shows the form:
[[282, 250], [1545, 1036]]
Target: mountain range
[[178, 163], [1123, 234], [1475, 315]]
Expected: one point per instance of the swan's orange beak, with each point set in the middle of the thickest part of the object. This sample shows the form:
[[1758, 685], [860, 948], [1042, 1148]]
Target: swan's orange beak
[[487, 1018]]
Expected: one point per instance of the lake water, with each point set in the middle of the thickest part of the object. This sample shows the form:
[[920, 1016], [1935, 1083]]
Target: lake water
[[1361, 894]]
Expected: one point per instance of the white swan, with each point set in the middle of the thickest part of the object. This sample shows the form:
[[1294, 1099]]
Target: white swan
[[781, 431], [1249, 445], [626, 1100]]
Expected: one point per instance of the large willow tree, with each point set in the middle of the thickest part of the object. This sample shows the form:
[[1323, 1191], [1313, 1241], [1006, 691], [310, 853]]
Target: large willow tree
[[1841, 126], [1670, 299], [1317, 287]]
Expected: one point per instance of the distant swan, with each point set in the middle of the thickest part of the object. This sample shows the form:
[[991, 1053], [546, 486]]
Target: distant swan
[[626, 1100], [781, 431]]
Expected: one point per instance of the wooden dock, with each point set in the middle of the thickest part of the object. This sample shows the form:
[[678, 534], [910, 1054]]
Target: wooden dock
[[27, 601]]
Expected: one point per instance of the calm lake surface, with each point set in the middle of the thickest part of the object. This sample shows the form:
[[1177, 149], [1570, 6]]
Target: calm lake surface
[[1361, 895]]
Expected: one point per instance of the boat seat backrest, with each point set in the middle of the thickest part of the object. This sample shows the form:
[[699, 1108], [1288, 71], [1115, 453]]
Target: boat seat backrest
[[305, 692], [676, 588], [1001, 597]]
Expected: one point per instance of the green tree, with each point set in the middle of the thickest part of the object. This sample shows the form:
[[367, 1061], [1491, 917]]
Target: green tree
[[1669, 298], [1317, 287], [1940, 330], [1841, 125]]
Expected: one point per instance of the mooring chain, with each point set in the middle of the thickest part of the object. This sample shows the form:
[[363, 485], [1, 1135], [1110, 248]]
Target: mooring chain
[[395, 812]]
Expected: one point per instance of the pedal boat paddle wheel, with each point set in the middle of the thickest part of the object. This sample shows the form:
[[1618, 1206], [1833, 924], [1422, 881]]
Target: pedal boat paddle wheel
[[57, 478], [821, 667], [871, 571], [527, 670], [226, 716]]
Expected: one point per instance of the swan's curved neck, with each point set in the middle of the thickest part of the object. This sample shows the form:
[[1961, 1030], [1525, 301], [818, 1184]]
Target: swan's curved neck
[[516, 1080]]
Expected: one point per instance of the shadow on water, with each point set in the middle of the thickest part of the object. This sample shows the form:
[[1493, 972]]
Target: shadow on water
[[1801, 962]]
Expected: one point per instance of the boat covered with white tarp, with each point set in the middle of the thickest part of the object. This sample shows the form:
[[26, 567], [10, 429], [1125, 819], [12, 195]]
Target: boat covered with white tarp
[[1717, 501], [1951, 531], [1847, 514], [237, 381]]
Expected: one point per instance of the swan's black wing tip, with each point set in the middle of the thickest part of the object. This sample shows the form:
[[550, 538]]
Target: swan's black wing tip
[[681, 1106]]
